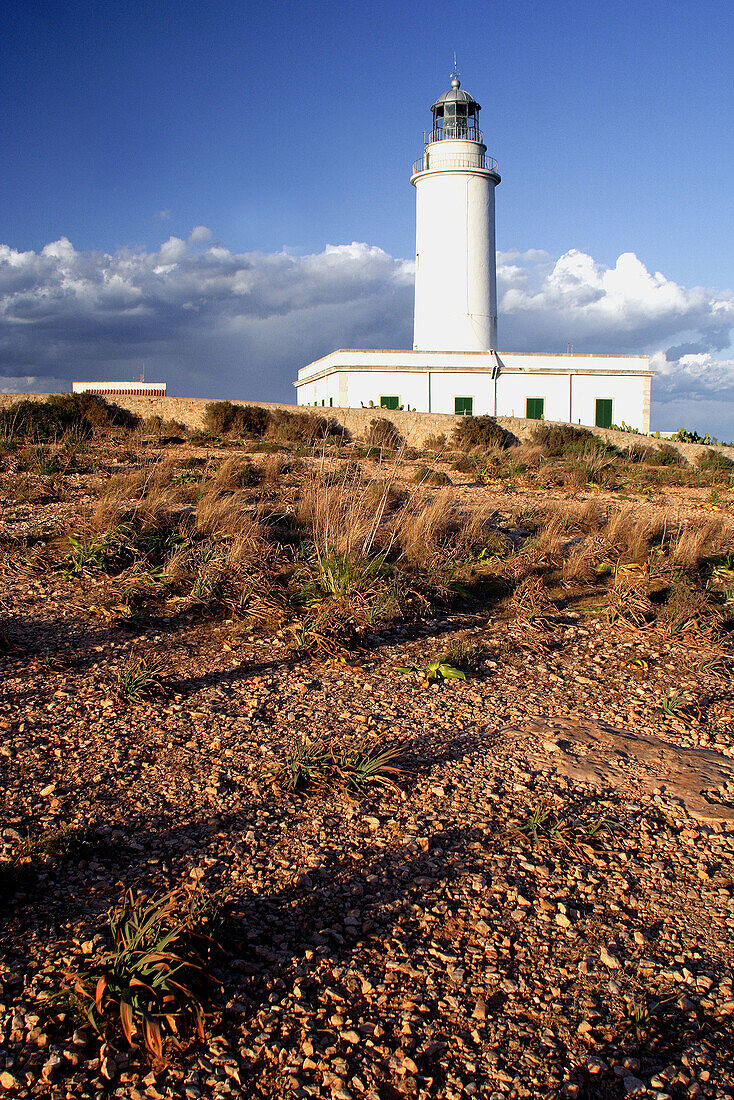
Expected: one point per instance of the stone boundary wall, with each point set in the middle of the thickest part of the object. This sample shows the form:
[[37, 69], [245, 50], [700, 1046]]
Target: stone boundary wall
[[413, 426]]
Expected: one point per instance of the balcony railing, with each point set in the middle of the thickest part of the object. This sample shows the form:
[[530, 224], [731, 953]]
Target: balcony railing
[[454, 131], [456, 160]]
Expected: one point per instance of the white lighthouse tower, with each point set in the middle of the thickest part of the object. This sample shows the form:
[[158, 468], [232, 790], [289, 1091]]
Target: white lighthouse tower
[[455, 263]]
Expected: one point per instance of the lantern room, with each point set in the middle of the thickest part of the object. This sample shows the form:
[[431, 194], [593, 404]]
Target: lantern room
[[456, 115]]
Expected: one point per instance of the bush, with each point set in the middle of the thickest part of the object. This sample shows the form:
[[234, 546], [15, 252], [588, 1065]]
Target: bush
[[665, 455], [160, 427], [301, 427], [83, 413], [565, 440], [715, 461], [435, 442], [226, 418], [465, 465], [383, 433], [481, 431], [424, 475]]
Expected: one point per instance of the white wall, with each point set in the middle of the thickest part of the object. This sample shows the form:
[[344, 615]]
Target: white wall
[[568, 395], [360, 387], [445, 387]]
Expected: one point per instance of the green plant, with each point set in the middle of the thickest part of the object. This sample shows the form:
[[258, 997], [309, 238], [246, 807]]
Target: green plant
[[673, 701], [341, 762], [432, 673], [95, 552], [480, 431], [66, 841], [136, 679], [383, 433], [150, 984], [543, 823], [715, 462], [226, 418]]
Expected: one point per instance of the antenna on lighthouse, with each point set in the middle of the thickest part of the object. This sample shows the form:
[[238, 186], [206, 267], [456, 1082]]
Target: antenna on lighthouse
[[454, 71]]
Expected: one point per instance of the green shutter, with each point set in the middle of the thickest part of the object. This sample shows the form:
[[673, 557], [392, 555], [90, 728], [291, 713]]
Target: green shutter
[[603, 412], [463, 406], [535, 408], [389, 402]]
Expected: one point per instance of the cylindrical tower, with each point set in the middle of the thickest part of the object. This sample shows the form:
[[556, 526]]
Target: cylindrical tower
[[455, 262]]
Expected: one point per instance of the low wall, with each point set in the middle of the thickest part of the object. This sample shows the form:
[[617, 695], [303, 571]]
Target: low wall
[[413, 426]]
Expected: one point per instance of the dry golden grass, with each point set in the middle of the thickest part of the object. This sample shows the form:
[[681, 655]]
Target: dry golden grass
[[422, 529], [581, 559], [344, 517], [693, 545], [630, 532]]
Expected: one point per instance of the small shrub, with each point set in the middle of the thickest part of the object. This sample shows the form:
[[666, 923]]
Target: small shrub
[[137, 679], [665, 455], [435, 442], [301, 427], [480, 431], [715, 462], [558, 440], [349, 763], [150, 984], [424, 475], [226, 418], [383, 433], [465, 464]]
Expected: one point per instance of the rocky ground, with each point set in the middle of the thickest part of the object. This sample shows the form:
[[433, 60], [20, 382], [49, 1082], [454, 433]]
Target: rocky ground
[[413, 941]]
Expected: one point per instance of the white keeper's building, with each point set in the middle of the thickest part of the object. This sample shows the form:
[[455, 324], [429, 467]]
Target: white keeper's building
[[455, 365]]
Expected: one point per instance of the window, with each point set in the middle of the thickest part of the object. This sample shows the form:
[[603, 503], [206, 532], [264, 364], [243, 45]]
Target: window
[[535, 408], [463, 406], [389, 402], [603, 418]]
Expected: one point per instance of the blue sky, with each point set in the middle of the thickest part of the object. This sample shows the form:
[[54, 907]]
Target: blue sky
[[287, 127]]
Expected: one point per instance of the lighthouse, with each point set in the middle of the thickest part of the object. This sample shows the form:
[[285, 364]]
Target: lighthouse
[[455, 262], [454, 366]]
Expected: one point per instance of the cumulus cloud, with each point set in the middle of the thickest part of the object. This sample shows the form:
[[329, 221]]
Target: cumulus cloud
[[208, 320], [199, 233], [213, 322]]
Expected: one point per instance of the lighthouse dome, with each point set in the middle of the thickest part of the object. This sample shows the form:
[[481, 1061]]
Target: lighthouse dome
[[455, 94]]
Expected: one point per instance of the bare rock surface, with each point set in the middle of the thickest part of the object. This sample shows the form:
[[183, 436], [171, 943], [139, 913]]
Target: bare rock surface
[[702, 780]]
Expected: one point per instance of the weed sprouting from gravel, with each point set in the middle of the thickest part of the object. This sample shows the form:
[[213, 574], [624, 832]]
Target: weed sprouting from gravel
[[137, 679], [543, 823], [432, 673], [150, 986], [349, 763]]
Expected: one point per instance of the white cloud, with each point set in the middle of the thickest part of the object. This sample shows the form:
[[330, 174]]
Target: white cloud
[[214, 322], [199, 233]]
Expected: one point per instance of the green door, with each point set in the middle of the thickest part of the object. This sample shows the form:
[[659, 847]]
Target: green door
[[463, 406], [534, 408], [389, 402], [603, 412]]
